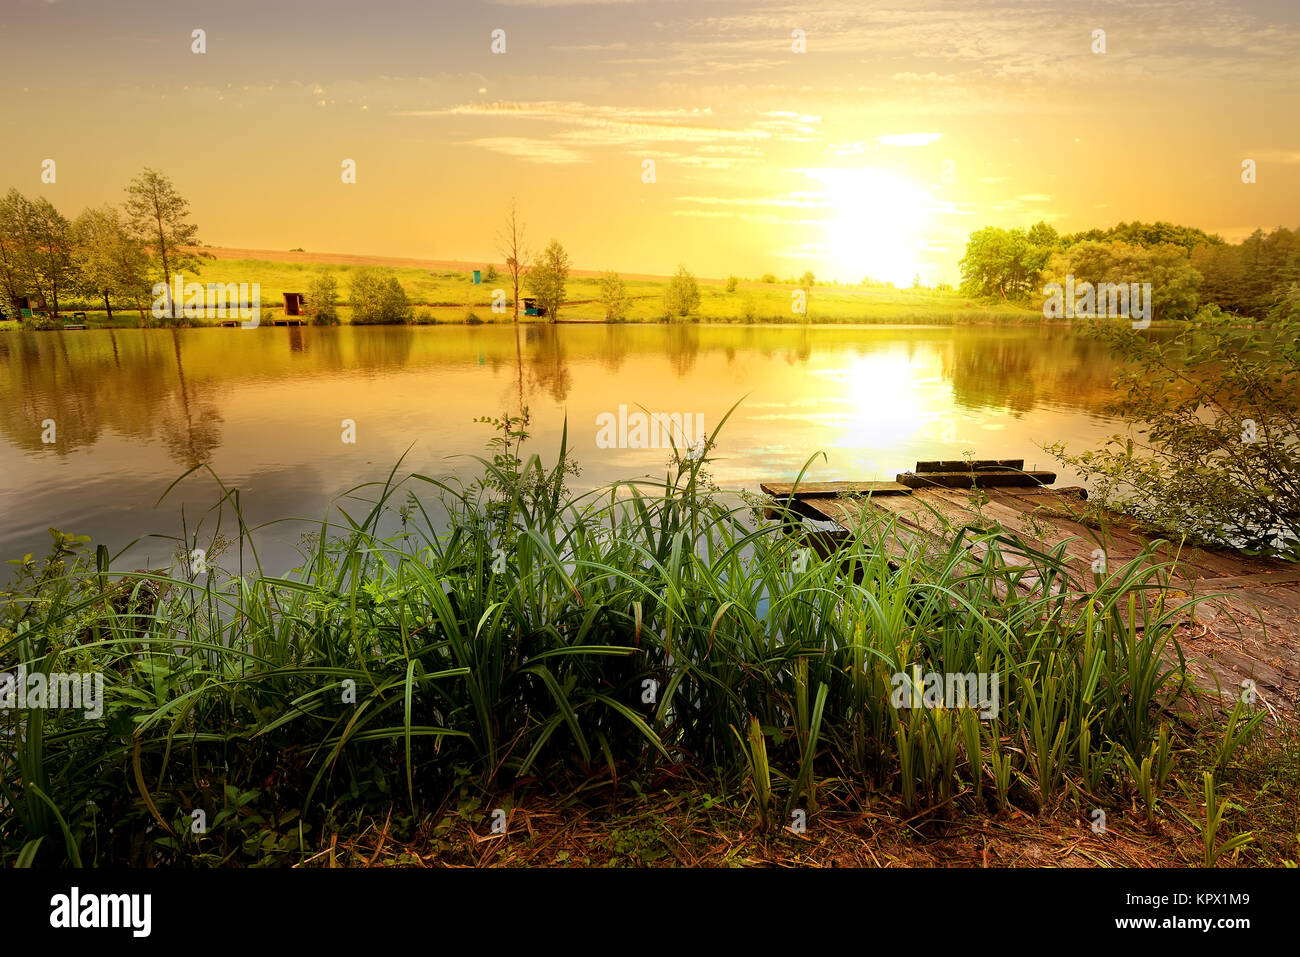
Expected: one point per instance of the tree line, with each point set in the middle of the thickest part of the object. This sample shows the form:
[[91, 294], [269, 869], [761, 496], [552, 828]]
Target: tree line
[[108, 253], [1258, 278]]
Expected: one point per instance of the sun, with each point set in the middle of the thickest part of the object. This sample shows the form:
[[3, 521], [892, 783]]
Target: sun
[[876, 226]]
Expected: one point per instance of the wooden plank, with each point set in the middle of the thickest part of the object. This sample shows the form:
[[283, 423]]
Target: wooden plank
[[805, 490], [961, 465], [966, 480]]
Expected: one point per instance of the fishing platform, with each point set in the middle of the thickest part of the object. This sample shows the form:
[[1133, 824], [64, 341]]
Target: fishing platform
[[1249, 629]]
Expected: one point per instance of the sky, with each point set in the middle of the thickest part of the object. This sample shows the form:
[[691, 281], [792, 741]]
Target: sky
[[897, 130]]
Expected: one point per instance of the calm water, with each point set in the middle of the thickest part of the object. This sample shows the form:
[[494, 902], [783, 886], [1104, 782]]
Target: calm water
[[134, 409]]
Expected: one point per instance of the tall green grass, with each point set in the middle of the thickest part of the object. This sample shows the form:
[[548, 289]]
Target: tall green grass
[[438, 637]]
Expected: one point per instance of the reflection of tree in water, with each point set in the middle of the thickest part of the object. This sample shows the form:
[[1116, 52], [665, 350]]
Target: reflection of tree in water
[[683, 346], [383, 347], [613, 351], [996, 370], [546, 361], [190, 432]]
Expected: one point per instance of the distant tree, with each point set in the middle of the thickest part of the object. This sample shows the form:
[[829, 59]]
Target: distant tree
[[1167, 267], [158, 215], [547, 278], [807, 281], [1002, 264], [378, 299], [682, 297], [11, 265], [322, 300], [1147, 234], [109, 262], [767, 277], [732, 283], [490, 273], [39, 248], [396, 306], [1044, 235], [613, 295], [513, 247]]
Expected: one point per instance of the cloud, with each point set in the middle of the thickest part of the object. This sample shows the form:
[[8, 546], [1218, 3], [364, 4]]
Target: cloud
[[530, 150], [908, 139]]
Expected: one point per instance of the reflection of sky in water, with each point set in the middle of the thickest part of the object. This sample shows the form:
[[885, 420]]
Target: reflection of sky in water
[[263, 409]]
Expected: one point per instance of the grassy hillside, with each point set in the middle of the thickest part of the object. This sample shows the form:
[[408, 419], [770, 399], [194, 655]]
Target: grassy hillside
[[442, 295]]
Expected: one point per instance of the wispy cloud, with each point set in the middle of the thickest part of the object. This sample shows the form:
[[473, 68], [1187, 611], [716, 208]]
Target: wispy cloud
[[908, 139], [530, 150]]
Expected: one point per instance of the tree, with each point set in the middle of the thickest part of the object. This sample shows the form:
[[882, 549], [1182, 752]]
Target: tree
[[613, 295], [1166, 267], [322, 299], [396, 307], [511, 244], [732, 283], [38, 248], [682, 297], [1213, 447], [157, 214], [1003, 263], [109, 262], [11, 268], [807, 281], [378, 299], [548, 277]]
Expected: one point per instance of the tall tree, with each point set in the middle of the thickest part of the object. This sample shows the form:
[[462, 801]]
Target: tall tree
[[514, 249], [10, 263], [110, 263], [548, 277], [38, 250], [158, 213]]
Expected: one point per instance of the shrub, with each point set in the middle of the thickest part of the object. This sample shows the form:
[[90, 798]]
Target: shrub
[[613, 296], [322, 300], [1213, 448], [682, 297], [732, 282], [378, 299]]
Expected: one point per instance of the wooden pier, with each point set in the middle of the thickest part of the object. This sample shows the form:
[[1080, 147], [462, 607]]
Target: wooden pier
[[1249, 629]]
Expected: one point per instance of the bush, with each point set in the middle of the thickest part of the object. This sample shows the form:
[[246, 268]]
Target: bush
[[732, 282], [682, 297], [767, 277], [378, 299], [322, 298], [1213, 447], [613, 296]]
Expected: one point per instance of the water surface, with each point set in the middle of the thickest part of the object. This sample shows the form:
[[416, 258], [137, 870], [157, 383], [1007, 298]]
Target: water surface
[[134, 409]]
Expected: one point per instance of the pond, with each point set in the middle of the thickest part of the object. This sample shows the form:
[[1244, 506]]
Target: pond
[[98, 424]]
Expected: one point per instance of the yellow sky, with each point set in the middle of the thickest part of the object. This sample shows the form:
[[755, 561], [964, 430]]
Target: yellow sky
[[898, 130]]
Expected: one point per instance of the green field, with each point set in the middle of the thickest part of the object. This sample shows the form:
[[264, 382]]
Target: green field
[[451, 297]]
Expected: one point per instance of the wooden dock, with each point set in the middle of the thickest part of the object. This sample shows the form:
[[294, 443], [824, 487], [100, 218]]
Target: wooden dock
[[1250, 629]]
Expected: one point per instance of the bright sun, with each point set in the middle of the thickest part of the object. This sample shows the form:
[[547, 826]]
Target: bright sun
[[876, 224]]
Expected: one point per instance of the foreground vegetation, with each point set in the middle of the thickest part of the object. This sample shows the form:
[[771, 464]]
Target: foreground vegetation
[[438, 659]]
